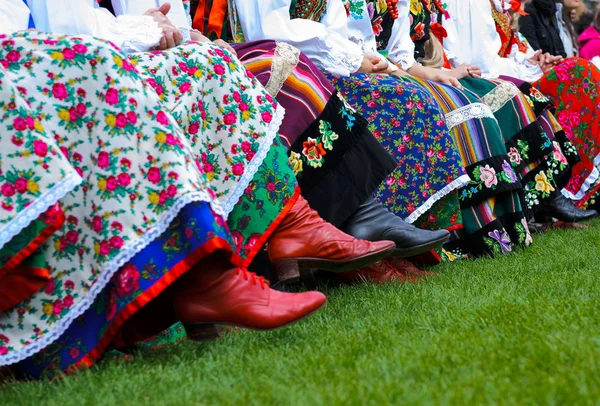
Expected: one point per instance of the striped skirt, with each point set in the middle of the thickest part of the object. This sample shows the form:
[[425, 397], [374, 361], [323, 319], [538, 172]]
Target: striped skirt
[[541, 164], [493, 217], [336, 159]]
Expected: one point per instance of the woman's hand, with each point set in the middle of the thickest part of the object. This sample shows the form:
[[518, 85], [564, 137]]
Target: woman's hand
[[171, 34], [225, 45], [375, 64], [435, 75], [465, 70]]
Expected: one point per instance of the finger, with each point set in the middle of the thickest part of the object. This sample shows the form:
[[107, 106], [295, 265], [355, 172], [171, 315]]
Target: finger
[[381, 65], [170, 40], [165, 8], [162, 45], [454, 82], [178, 37]]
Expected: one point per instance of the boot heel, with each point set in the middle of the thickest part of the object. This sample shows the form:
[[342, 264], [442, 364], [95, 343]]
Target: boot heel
[[288, 270], [202, 332]]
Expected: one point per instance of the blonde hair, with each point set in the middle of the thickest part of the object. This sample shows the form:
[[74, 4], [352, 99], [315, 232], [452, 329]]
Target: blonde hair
[[434, 53]]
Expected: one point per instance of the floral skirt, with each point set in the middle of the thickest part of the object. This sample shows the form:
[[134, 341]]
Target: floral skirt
[[534, 152], [492, 217], [405, 119], [572, 87], [148, 207], [332, 151]]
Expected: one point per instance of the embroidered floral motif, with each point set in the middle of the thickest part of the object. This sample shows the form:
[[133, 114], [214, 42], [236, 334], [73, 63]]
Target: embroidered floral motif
[[498, 242]]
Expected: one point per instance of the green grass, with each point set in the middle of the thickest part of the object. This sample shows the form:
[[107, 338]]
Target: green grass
[[520, 329]]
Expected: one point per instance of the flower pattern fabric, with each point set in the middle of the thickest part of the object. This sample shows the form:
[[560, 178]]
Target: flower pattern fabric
[[114, 128]]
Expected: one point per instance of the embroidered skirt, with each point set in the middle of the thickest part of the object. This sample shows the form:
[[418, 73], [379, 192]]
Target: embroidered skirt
[[572, 87], [405, 119], [336, 160], [492, 215], [160, 164]]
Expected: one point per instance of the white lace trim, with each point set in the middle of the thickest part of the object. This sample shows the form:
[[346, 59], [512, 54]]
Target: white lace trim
[[468, 112], [107, 273], [142, 33], [589, 181], [338, 59], [129, 252], [256, 162], [284, 61], [422, 209], [38, 207], [500, 95]]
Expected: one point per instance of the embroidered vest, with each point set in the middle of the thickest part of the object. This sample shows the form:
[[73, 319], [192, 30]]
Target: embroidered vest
[[308, 9]]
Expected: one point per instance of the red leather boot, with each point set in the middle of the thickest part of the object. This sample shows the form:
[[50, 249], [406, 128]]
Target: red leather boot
[[215, 294], [385, 271], [304, 240]]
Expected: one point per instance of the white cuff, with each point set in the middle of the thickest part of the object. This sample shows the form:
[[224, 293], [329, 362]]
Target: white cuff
[[343, 57], [140, 33]]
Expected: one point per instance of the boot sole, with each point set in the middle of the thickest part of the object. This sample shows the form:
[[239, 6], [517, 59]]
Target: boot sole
[[204, 332], [288, 270], [419, 249]]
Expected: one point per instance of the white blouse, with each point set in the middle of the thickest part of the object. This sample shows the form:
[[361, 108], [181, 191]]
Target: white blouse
[[85, 17], [473, 39], [14, 16], [326, 42], [400, 47]]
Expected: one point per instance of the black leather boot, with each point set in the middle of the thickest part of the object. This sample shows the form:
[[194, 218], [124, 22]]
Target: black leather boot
[[563, 209], [373, 222]]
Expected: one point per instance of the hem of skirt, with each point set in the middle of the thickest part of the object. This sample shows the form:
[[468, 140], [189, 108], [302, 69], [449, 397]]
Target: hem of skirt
[[38, 207], [106, 274], [143, 299], [587, 184], [269, 231], [422, 209], [34, 244], [255, 163]]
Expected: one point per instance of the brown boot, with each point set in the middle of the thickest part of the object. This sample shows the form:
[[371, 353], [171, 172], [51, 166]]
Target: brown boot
[[214, 294], [304, 240]]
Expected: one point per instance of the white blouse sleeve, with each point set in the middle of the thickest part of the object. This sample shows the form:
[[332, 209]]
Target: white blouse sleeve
[[478, 43], [82, 17], [326, 43], [177, 14], [14, 16], [400, 47]]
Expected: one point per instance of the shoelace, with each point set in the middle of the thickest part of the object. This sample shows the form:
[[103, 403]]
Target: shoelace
[[251, 276]]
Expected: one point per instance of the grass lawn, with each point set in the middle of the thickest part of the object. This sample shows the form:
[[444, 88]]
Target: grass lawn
[[520, 329]]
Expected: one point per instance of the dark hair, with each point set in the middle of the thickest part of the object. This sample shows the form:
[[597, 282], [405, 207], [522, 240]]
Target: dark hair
[[596, 22], [585, 21], [566, 15]]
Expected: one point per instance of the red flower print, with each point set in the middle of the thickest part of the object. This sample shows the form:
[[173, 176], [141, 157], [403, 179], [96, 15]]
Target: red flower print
[[219, 69], [97, 224], [172, 191], [3, 350], [80, 109], [79, 48], [69, 285], [19, 124], [72, 236], [410, 104], [185, 87], [68, 53], [121, 120], [154, 175], [237, 97], [162, 197], [4, 339], [111, 183], [219, 52], [126, 162], [57, 307], [376, 94], [376, 25], [371, 103], [116, 242], [67, 301], [21, 185], [229, 118], [111, 305], [104, 248], [193, 128], [243, 106], [103, 160], [49, 288], [74, 353], [40, 148], [17, 141], [124, 179], [59, 91], [13, 56], [237, 169], [162, 118], [7, 190], [267, 117], [246, 147], [441, 154]]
